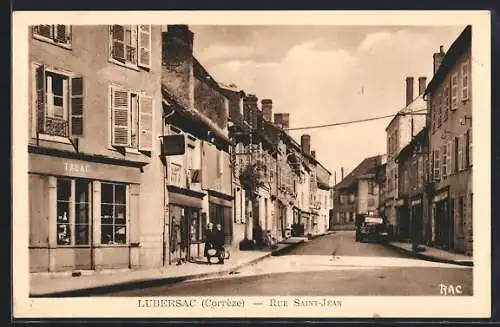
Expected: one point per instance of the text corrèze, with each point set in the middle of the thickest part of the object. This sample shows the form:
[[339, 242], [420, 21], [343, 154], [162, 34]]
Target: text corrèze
[[206, 303]]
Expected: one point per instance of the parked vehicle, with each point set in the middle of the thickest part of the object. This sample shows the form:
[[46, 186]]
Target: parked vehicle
[[371, 228]]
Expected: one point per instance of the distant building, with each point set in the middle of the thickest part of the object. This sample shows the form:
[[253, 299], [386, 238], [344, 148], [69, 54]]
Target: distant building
[[357, 193], [450, 143]]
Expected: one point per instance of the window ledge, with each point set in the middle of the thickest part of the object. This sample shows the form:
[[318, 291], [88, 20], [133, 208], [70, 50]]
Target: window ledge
[[127, 65], [52, 138], [132, 150], [48, 40]]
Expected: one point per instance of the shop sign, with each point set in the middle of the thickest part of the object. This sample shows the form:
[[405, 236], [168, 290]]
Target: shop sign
[[71, 167]]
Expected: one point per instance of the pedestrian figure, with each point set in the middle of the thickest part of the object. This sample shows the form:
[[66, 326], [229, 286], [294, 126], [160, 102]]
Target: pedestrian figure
[[209, 240], [219, 243]]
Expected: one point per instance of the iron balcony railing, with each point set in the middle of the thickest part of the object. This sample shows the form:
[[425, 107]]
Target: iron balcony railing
[[56, 127]]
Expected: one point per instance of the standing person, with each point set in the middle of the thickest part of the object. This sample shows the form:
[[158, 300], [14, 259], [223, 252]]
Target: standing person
[[209, 240], [219, 243]]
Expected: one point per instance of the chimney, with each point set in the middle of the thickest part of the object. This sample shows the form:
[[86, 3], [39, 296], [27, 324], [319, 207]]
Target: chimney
[[282, 119], [267, 109], [313, 154], [250, 108], [409, 90], [438, 58], [305, 143], [177, 63], [421, 84], [335, 177], [341, 173]]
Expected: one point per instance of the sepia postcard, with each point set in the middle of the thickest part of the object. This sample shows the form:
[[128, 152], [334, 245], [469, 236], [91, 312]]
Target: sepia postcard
[[251, 164]]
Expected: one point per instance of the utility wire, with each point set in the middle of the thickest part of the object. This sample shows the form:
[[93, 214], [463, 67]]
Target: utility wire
[[354, 121]]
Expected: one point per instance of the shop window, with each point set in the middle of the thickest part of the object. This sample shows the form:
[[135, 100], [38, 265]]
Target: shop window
[[82, 212], [131, 119], [63, 219], [58, 102], [57, 34], [113, 214], [131, 45]]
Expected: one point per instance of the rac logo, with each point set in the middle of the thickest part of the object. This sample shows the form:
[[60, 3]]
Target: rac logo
[[450, 289]]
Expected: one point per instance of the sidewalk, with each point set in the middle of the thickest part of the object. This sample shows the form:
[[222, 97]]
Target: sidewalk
[[433, 254], [101, 282]]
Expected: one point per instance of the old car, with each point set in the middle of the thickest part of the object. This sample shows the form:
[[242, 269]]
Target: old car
[[371, 228]]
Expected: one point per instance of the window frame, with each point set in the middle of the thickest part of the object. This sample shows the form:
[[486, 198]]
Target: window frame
[[137, 65], [72, 213], [52, 40], [126, 218], [69, 110]]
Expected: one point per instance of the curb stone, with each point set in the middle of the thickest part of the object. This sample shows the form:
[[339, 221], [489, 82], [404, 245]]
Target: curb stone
[[419, 255], [146, 283]]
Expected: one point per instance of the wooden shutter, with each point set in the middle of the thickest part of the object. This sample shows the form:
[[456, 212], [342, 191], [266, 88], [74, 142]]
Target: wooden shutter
[[465, 151], [454, 91], [448, 158], [77, 105], [120, 117], [40, 96], [460, 153], [465, 81], [444, 161], [60, 33], [470, 147], [145, 123], [45, 30], [118, 42], [144, 46], [436, 173]]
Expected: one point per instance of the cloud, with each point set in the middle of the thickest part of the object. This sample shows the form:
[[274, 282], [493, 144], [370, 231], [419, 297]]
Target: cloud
[[320, 84], [373, 38], [220, 52]]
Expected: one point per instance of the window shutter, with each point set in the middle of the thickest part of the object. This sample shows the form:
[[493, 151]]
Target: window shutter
[[145, 46], [60, 33], [77, 105], [118, 42], [465, 151], [465, 81], [454, 91], [120, 118], [448, 158], [45, 30], [444, 162], [437, 175], [40, 96], [146, 123], [460, 153], [470, 147]]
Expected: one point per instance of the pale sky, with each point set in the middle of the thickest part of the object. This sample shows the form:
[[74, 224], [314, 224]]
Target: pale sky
[[324, 75]]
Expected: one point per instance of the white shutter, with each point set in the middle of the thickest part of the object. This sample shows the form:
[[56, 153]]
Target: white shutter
[[454, 91], [50, 98], [144, 48], [448, 158], [120, 117], [465, 81], [146, 105], [437, 168]]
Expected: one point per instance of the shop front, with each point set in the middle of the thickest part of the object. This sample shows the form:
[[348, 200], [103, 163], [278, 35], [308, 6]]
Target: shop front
[[83, 213], [417, 222], [221, 213], [443, 221], [402, 219], [187, 225]]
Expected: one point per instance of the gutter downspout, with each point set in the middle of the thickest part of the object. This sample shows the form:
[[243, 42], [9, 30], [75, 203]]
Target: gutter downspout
[[165, 196]]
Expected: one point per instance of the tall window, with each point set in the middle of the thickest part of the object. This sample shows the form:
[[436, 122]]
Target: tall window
[[446, 100], [436, 172], [58, 102], [444, 161], [131, 119], [63, 219], [57, 34], [440, 108], [131, 44], [113, 214]]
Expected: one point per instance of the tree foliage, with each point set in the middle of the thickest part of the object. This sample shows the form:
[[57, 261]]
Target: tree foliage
[[251, 177]]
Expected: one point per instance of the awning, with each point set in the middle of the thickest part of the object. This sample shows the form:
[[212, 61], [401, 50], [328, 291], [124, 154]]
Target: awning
[[184, 200]]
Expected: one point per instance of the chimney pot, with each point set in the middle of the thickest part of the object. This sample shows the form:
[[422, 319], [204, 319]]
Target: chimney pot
[[313, 154], [421, 84], [409, 90], [341, 173], [267, 109], [305, 143], [282, 119]]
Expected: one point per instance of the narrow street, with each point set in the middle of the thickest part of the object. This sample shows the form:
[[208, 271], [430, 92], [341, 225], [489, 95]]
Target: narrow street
[[328, 265]]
